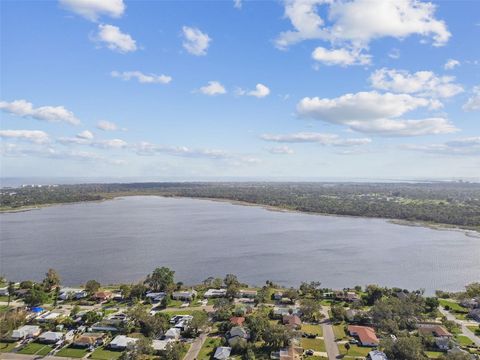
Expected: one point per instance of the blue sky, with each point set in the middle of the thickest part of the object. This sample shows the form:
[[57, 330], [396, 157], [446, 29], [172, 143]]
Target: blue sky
[[281, 89]]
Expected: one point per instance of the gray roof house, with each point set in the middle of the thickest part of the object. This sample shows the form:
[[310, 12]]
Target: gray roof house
[[222, 353]]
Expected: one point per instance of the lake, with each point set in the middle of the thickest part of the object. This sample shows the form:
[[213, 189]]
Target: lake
[[124, 239]]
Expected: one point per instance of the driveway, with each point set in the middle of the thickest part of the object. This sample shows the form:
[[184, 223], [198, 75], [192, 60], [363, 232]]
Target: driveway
[[463, 324], [197, 344], [329, 337]]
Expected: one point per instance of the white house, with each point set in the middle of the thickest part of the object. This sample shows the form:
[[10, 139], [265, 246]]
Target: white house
[[120, 342], [160, 345], [246, 293], [187, 295], [27, 331], [155, 296], [377, 355], [4, 291], [50, 337], [71, 293], [222, 353], [215, 293]]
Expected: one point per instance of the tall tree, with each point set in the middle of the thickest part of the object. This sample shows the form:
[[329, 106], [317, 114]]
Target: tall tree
[[52, 279], [161, 279], [11, 291], [92, 286]]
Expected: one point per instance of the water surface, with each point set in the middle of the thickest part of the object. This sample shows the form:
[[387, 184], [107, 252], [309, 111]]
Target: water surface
[[124, 239]]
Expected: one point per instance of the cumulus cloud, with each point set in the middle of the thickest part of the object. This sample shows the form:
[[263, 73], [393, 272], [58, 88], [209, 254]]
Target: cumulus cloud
[[467, 146], [451, 64], [87, 138], [318, 138], [93, 9], [213, 88], [372, 112], [107, 125], [34, 136], [421, 83], [342, 57], [259, 92], [195, 41], [113, 38], [141, 77], [473, 103], [24, 108], [86, 134]]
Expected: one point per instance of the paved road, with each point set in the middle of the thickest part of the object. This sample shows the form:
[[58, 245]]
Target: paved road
[[197, 344], [463, 324], [329, 336], [12, 356]]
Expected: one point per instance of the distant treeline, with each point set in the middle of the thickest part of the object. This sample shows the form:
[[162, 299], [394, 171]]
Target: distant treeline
[[441, 203]]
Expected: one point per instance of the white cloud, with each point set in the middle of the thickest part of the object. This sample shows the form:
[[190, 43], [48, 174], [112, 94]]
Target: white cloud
[[86, 134], [451, 64], [35, 136], [354, 24], [318, 138], [24, 108], [237, 4], [113, 38], [342, 57], [394, 53], [421, 83], [93, 9], [469, 146], [372, 112], [281, 150], [107, 125], [141, 77], [111, 144], [195, 41], [259, 92], [146, 148], [212, 88], [473, 103]]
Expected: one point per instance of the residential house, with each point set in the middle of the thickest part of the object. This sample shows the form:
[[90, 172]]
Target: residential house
[[474, 314], [237, 334], [71, 293], [292, 352], [155, 296], [278, 295], [435, 330], [102, 296], [237, 320], [292, 321], [222, 353], [4, 291], [470, 303], [26, 331], [279, 311], [365, 334], [108, 325], [187, 295], [160, 345], [50, 337], [376, 355], [246, 293], [215, 293], [350, 296], [172, 334], [443, 343], [89, 339], [121, 342]]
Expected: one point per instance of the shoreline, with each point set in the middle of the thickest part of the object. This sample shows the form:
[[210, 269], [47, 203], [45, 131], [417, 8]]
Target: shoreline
[[401, 222]]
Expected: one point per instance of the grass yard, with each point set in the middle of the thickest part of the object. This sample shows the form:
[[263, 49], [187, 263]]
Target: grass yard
[[7, 347], [208, 348], [314, 344], [455, 307], [315, 358], [463, 340], [34, 348], [103, 354], [313, 329], [355, 350], [434, 354], [72, 352], [339, 331]]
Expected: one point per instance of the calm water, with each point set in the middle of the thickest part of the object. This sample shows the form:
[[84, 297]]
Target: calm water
[[124, 239]]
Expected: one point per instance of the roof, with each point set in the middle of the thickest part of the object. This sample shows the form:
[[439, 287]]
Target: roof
[[237, 320], [88, 338], [215, 292], [292, 320], [160, 345], [122, 341], [365, 334], [434, 330], [51, 335], [377, 355], [222, 352], [173, 332], [238, 331], [291, 353]]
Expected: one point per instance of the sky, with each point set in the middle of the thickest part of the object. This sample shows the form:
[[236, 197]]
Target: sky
[[294, 89]]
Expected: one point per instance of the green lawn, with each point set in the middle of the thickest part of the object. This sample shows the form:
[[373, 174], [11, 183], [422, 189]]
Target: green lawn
[[72, 352], [314, 344], [7, 347], [339, 331], [355, 350], [434, 354], [102, 354], [312, 329], [315, 358], [208, 348], [456, 307], [34, 348], [463, 340]]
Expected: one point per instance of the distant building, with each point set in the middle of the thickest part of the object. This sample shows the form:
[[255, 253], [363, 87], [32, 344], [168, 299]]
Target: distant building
[[247, 293], [215, 293], [187, 295], [102, 296], [25, 332]]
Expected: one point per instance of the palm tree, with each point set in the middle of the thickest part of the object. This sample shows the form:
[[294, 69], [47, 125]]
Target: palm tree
[[11, 290]]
